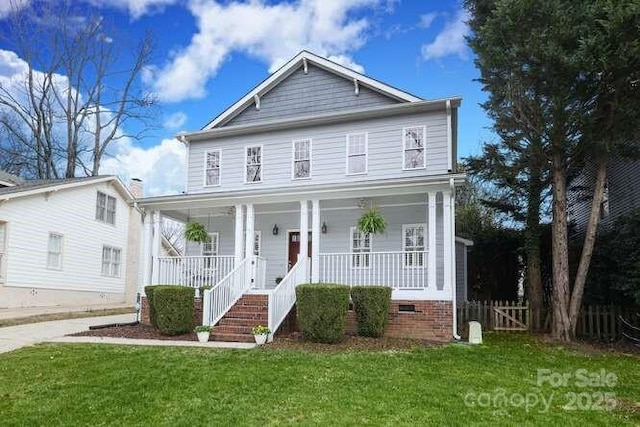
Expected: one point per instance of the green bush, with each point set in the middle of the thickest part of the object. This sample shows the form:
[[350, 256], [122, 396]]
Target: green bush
[[322, 311], [371, 304], [148, 290], [174, 309]]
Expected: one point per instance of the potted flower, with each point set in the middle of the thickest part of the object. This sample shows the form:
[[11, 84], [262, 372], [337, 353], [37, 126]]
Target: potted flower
[[196, 232], [260, 334], [203, 332], [372, 222]]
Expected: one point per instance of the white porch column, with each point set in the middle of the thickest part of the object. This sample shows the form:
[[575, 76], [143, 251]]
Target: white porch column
[[248, 243], [431, 235], [315, 241], [304, 230], [147, 237], [155, 246], [239, 236], [448, 239]]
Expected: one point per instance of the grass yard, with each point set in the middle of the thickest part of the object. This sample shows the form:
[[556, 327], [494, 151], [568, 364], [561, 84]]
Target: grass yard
[[448, 385]]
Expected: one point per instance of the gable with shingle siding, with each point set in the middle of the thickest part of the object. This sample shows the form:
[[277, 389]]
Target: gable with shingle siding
[[316, 92]]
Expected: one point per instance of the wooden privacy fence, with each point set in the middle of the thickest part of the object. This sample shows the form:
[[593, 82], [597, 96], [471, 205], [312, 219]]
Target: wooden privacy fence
[[596, 322]]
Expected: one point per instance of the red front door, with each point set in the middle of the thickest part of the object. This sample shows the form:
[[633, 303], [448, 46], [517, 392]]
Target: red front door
[[294, 248]]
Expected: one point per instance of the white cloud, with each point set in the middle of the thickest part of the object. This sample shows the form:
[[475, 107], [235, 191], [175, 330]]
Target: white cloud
[[9, 6], [160, 167], [175, 120], [451, 40], [272, 33], [427, 19], [136, 8]]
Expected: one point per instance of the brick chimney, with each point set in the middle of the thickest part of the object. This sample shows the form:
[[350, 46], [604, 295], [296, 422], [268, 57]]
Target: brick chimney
[[136, 188]]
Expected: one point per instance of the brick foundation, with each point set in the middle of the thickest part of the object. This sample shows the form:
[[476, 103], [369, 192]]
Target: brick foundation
[[431, 320]]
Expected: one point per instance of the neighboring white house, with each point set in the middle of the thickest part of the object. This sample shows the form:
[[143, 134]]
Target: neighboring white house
[[67, 242], [293, 165]]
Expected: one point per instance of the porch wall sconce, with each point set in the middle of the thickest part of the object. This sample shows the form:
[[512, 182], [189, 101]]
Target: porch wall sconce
[[275, 229], [324, 228]]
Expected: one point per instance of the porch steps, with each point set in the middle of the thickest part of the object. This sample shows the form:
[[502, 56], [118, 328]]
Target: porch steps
[[235, 326]]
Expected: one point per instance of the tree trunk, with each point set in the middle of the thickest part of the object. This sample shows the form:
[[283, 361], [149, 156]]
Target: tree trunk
[[589, 242], [560, 328], [534, 278], [532, 240]]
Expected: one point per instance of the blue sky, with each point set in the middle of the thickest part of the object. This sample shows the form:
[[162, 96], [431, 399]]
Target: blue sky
[[210, 53]]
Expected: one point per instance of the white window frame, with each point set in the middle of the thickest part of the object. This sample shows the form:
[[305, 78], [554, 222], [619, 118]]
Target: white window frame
[[103, 211], [413, 258], [294, 160], [361, 254], [113, 268], [214, 237], [365, 153], [246, 163], [206, 168], [50, 252], [405, 149]]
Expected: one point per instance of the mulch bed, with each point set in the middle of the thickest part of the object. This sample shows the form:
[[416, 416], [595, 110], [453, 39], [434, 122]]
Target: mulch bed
[[293, 341]]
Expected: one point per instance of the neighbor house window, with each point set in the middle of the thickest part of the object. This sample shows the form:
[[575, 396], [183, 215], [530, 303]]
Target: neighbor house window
[[105, 208], [212, 168], [360, 248], [356, 153], [54, 252], [253, 169], [413, 245], [302, 159], [111, 261], [413, 147], [210, 249]]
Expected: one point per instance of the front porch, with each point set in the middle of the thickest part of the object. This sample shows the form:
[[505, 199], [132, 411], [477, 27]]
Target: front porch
[[312, 240]]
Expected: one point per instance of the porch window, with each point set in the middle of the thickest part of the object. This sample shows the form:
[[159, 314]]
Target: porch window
[[54, 252], [301, 159], [253, 169], [212, 168], [360, 248], [356, 153], [210, 249], [105, 208], [111, 260], [413, 147], [413, 245]]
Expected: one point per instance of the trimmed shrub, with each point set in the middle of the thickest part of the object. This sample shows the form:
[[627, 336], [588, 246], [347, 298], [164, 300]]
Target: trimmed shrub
[[174, 309], [371, 304], [148, 290], [322, 311]]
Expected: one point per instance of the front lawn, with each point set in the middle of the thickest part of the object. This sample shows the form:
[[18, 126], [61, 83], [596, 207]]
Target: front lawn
[[451, 385]]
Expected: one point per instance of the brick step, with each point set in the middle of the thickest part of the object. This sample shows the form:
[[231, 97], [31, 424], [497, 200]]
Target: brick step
[[236, 321], [234, 329], [215, 336], [253, 299], [248, 307]]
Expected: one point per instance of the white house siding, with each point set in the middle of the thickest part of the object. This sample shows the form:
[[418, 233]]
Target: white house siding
[[337, 240], [70, 212], [328, 161], [316, 92]]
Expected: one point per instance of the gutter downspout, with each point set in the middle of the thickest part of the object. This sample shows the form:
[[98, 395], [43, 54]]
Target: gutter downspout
[[453, 261], [183, 139]]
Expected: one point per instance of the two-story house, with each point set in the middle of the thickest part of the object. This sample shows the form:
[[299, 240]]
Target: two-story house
[[280, 179], [70, 243]]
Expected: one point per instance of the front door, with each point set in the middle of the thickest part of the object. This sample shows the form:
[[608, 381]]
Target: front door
[[294, 248]]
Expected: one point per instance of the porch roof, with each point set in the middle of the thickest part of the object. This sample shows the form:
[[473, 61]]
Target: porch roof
[[177, 206]]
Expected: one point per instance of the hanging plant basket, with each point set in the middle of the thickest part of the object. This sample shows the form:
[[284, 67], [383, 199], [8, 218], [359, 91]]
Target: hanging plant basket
[[196, 232], [372, 222]]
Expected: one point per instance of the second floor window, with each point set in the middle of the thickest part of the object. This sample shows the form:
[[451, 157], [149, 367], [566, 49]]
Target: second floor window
[[413, 147], [54, 253], [106, 208], [356, 153], [212, 168], [302, 159], [253, 168]]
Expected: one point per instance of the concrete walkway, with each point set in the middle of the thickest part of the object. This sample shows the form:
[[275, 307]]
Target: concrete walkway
[[14, 337], [17, 313]]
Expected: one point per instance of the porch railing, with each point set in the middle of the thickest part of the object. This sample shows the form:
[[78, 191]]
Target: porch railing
[[258, 275], [219, 299], [193, 271], [282, 298], [399, 270]]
